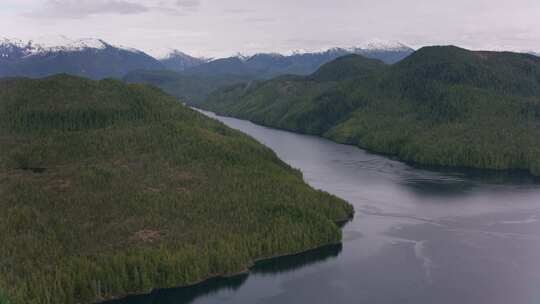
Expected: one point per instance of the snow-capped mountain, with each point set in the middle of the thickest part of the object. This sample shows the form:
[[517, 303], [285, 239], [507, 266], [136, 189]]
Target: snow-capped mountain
[[381, 45], [13, 49], [366, 46], [388, 51], [93, 58], [179, 61], [267, 65]]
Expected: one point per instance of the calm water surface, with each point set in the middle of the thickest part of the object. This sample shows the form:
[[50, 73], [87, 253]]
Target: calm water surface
[[419, 235]]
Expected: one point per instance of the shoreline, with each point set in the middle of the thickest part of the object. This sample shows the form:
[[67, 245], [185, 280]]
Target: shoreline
[[391, 156], [246, 270]]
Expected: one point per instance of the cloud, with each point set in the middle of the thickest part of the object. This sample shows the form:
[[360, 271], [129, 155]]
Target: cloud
[[259, 19], [188, 4], [279, 25], [237, 10], [76, 9], [79, 9]]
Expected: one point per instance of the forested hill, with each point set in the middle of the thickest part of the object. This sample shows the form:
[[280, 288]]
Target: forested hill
[[181, 86], [110, 189], [440, 106]]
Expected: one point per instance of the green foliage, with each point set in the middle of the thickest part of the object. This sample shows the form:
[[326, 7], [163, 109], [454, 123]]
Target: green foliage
[[345, 67], [440, 106], [4, 298], [111, 189], [184, 87]]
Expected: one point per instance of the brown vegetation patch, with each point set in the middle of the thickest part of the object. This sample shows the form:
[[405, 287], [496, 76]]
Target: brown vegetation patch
[[153, 189], [36, 170], [147, 236], [183, 190], [209, 135], [63, 184]]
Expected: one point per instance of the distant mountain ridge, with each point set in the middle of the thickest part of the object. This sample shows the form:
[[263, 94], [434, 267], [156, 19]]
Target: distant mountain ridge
[[268, 65], [196, 83], [179, 61], [92, 58], [96, 59], [58, 44]]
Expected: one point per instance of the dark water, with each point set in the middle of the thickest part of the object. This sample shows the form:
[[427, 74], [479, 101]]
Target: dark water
[[419, 235]]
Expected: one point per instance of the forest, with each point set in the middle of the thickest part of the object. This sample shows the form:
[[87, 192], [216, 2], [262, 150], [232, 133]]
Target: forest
[[443, 106], [111, 189]]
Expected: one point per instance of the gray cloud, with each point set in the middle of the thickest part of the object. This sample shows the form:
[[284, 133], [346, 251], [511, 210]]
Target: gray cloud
[[188, 3], [224, 27], [83, 8], [259, 20], [237, 11]]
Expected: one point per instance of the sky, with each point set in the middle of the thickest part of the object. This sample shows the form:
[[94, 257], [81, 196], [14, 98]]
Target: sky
[[218, 28]]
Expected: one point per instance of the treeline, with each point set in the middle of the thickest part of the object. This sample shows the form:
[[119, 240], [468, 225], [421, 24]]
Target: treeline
[[111, 189], [440, 106]]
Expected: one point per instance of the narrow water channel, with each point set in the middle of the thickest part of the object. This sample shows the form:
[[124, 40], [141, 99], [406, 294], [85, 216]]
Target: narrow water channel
[[419, 235]]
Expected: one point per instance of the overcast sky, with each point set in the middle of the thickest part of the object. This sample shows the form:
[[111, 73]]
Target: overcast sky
[[216, 28]]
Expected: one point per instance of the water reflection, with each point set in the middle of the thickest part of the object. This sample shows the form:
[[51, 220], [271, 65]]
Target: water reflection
[[185, 294], [275, 266], [434, 187], [455, 183], [294, 262], [478, 176]]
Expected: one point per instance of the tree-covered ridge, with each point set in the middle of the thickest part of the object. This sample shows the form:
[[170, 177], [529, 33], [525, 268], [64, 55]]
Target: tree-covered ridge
[[184, 87], [441, 106], [109, 189], [346, 67]]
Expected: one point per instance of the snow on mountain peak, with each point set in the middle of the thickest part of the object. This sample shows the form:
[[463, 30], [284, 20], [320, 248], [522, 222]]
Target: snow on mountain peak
[[171, 53], [57, 43], [5, 42], [166, 53], [62, 43], [242, 57], [51, 41], [88, 43], [382, 45], [369, 45]]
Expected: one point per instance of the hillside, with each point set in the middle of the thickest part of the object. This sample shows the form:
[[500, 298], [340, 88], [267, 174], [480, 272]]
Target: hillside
[[440, 106], [183, 87], [110, 189]]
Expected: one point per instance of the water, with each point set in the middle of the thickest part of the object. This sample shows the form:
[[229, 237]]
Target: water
[[419, 235]]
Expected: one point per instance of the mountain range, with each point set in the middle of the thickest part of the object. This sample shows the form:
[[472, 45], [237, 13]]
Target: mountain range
[[95, 58], [196, 83], [92, 58], [268, 65]]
